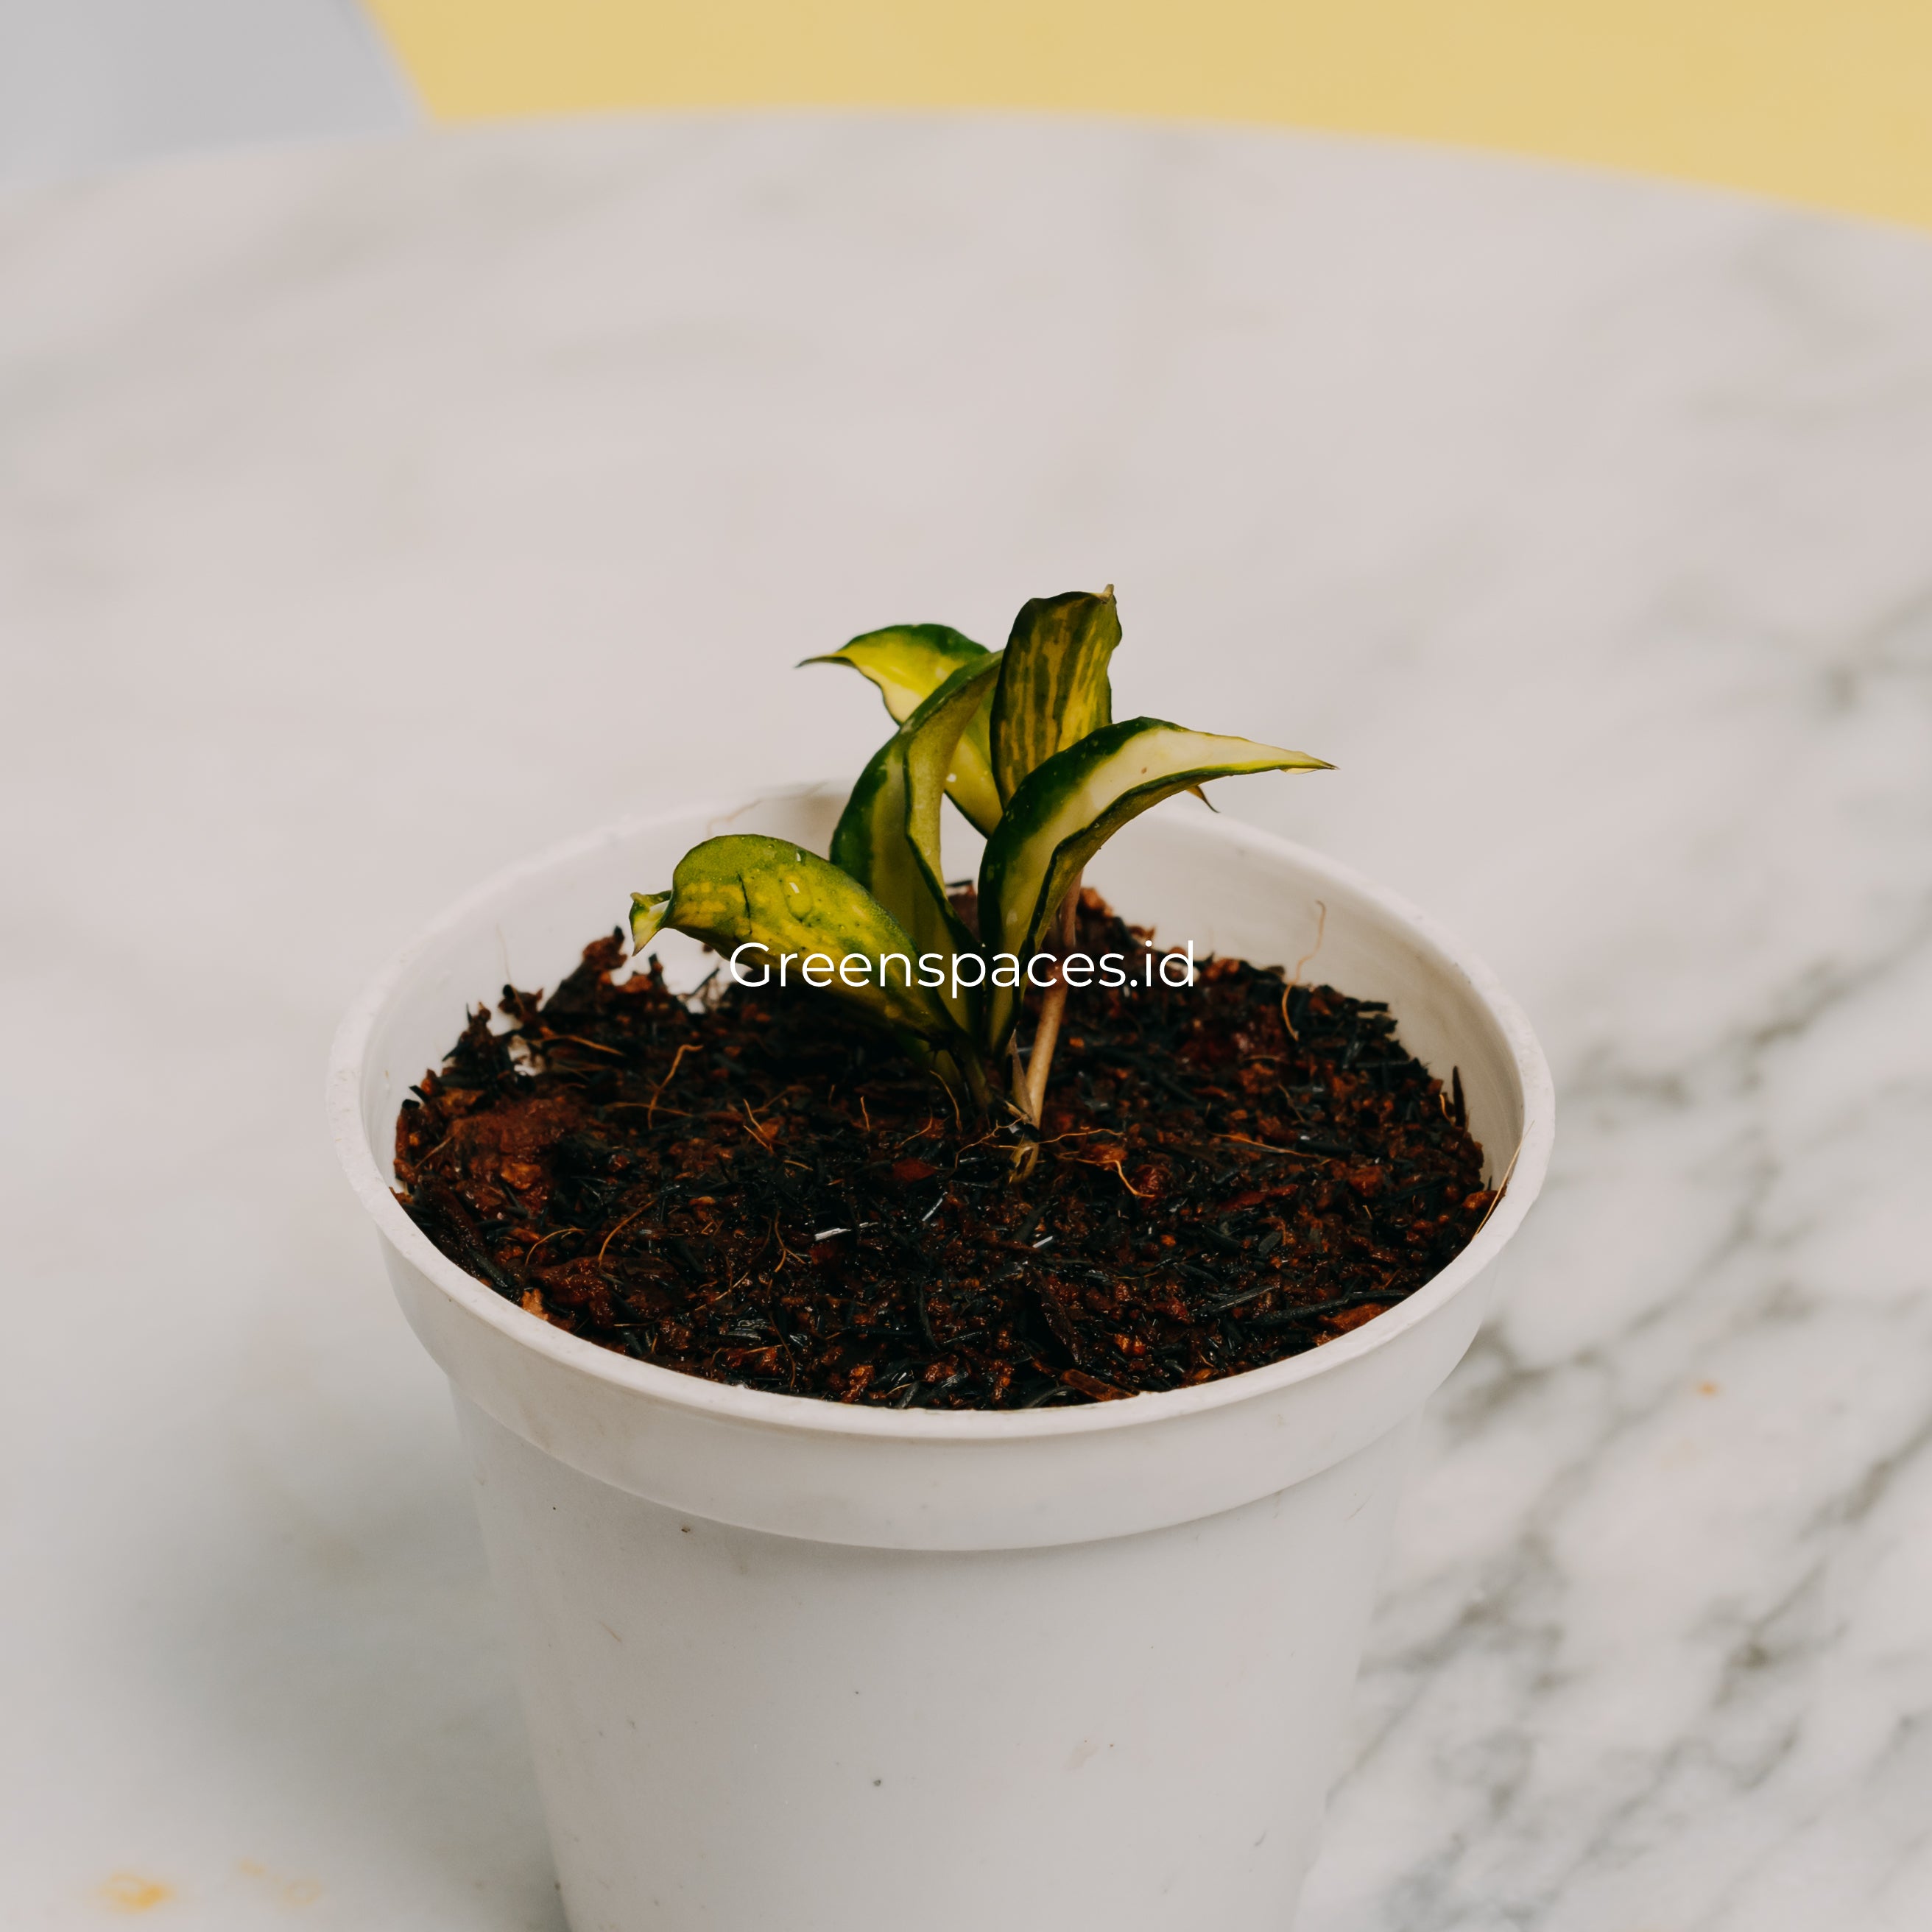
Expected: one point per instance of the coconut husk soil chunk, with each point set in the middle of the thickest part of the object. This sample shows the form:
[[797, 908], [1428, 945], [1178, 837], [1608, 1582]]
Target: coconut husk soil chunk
[[757, 1187]]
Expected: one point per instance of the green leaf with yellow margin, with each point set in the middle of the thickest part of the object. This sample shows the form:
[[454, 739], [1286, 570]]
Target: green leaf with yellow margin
[[888, 837], [1069, 807], [1053, 688], [909, 662], [742, 889]]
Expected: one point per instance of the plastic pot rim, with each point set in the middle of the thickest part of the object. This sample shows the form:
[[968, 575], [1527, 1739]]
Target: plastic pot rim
[[368, 1174]]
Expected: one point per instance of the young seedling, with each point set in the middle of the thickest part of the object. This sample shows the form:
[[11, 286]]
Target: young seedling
[[1024, 743]]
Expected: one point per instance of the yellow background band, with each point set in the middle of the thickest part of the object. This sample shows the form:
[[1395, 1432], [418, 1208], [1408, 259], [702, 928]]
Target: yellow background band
[[1826, 101]]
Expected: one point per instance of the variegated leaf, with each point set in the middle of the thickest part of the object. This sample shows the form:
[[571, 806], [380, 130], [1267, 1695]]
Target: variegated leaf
[[1053, 688], [888, 837], [1070, 806], [909, 662], [744, 891]]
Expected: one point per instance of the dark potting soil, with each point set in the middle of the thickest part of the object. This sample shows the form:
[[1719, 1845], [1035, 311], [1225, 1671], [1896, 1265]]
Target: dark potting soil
[[758, 1188]]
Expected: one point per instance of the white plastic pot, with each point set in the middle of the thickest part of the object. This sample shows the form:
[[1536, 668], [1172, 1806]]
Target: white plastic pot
[[790, 1665]]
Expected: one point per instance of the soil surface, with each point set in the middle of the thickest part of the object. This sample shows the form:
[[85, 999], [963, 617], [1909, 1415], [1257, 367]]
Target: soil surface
[[756, 1187]]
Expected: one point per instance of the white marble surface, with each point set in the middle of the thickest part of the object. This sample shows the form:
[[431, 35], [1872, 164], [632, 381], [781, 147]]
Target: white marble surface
[[1587, 524]]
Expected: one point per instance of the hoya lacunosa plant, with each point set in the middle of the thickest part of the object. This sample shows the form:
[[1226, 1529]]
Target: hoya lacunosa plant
[[1023, 742]]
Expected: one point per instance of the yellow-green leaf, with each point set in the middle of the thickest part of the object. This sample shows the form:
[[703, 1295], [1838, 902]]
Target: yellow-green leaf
[[781, 909], [909, 662], [1070, 806], [1053, 688], [888, 837]]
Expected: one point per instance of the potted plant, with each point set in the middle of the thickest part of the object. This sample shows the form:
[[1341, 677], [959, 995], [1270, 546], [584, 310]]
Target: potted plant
[[927, 1489]]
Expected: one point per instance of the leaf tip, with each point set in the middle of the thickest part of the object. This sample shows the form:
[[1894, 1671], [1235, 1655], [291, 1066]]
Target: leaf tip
[[648, 911]]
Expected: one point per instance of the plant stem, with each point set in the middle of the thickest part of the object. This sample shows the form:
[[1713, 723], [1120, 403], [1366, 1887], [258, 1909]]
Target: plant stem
[[1046, 1035]]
